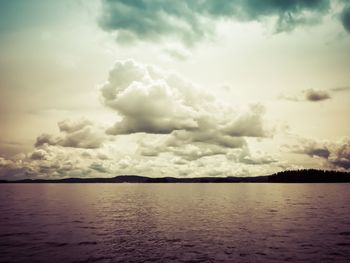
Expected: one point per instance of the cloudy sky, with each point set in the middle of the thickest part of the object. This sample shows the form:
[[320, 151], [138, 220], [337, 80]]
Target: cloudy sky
[[173, 88]]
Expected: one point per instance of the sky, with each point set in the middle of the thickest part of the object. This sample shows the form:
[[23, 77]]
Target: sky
[[158, 88]]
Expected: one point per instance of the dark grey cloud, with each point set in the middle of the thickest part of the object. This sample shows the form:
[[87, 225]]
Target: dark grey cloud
[[311, 148], [341, 156], [45, 138], [208, 132], [290, 13], [98, 167], [316, 95], [10, 170], [310, 95], [189, 20], [38, 154], [335, 154], [319, 152], [250, 124], [345, 18], [151, 20]]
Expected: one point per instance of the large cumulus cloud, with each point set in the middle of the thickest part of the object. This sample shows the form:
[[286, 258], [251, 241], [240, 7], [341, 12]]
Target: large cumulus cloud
[[153, 101], [148, 100], [191, 20]]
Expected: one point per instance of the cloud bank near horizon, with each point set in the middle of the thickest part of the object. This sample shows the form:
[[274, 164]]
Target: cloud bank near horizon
[[170, 117], [177, 128]]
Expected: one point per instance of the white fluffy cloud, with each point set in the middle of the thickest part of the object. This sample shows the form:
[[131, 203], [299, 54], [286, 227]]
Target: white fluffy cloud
[[79, 134], [151, 100]]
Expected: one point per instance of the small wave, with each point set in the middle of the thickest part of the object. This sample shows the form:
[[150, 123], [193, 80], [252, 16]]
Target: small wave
[[93, 259], [346, 233], [343, 244], [56, 244], [87, 243], [15, 234]]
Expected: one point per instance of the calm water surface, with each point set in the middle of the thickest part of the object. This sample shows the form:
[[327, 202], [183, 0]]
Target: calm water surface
[[174, 222]]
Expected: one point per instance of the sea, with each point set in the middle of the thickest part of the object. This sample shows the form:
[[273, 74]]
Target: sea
[[184, 222]]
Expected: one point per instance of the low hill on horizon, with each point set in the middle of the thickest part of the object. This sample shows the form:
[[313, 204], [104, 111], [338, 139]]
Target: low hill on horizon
[[294, 176]]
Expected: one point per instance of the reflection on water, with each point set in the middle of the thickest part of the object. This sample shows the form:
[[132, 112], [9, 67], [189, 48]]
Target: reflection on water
[[174, 222]]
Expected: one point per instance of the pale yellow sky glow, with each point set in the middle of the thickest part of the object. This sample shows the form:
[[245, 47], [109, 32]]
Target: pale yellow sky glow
[[101, 88]]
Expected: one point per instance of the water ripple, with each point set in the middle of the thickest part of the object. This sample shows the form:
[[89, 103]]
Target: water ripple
[[175, 223]]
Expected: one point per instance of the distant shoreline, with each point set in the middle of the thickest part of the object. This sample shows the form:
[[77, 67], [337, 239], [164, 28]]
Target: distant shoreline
[[296, 176]]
